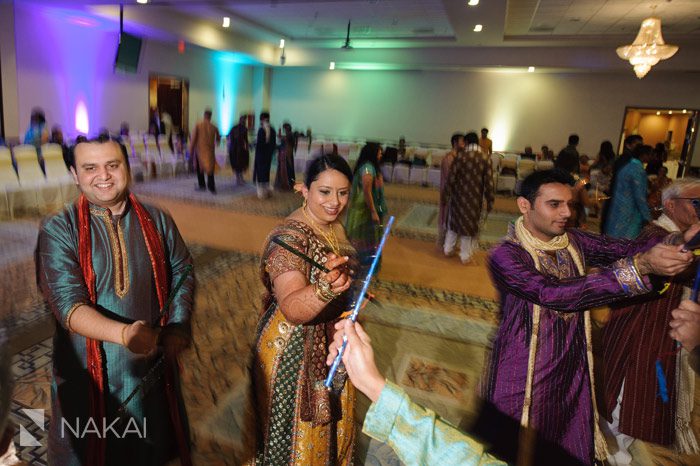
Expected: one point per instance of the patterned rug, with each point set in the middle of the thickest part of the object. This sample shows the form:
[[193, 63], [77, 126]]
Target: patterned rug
[[421, 337], [420, 221], [416, 218]]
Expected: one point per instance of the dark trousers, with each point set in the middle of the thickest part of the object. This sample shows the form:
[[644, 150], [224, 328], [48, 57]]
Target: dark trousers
[[210, 181]]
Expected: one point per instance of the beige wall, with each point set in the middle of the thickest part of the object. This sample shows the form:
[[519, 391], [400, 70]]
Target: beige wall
[[519, 109]]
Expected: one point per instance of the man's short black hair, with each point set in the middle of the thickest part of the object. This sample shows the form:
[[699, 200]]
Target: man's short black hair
[[471, 138], [632, 138], [573, 139], [264, 115], [530, 187], [455, 137]]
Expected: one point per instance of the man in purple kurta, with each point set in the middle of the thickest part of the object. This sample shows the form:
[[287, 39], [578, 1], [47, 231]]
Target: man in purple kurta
[[539, 379]]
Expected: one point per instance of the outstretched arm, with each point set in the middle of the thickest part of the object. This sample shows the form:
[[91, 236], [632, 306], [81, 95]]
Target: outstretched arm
[[416, 434]]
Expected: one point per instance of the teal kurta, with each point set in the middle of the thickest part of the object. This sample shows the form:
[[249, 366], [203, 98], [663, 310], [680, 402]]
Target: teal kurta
[[363, 233], [126, 291], [418, 436]]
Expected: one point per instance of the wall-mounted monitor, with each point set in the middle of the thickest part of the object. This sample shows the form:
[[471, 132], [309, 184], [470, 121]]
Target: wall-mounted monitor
[[128, 52]]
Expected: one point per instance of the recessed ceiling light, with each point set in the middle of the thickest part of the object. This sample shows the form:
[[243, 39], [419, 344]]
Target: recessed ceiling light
[[478, 28], [142, 2], [670, 112], [331, 66], [281, 43], [473, 2], [658, 112], [227, 21], [685, 111], [530, 69]]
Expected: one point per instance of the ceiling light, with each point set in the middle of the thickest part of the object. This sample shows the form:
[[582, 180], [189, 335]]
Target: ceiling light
[[530, 69], [478, 28], [227, 21], [331, 66], [685, 111], [473, 2], [658, 112], [281, 43], [142, 2], [648, 47], [670, 112]]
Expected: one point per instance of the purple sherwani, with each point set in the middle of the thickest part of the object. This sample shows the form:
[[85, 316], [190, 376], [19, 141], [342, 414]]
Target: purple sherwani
[[561, 410]]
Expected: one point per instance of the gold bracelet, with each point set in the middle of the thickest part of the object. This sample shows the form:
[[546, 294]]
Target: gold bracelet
[[635, 263], [323, 290], [123, 336]]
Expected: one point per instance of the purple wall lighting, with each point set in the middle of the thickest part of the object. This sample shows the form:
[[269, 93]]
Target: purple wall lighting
[[72, 54]]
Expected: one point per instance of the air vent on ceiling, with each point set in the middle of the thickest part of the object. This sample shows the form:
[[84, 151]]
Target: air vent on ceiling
[[424, 31], [542, 28]]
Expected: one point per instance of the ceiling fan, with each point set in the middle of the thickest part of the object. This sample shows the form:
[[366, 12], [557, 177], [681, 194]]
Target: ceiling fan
[[346, 45]]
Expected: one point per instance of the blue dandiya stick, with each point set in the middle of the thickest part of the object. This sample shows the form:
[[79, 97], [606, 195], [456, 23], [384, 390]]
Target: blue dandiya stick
[[660, 377], [358, 302]]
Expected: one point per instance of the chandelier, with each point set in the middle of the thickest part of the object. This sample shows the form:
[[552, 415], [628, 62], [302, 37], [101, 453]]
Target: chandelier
[[648, 48]]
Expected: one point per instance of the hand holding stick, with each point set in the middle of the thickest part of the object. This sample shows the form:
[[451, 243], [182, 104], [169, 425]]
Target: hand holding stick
[[360, 298]]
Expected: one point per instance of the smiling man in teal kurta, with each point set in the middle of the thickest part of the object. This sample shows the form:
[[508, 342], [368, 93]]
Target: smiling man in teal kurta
[[106, 266]]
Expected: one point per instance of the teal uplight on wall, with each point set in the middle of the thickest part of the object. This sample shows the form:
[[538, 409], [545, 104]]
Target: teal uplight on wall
[[228, 69]]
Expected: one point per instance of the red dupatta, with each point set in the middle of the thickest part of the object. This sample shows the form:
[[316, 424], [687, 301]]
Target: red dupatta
[[96, 446]]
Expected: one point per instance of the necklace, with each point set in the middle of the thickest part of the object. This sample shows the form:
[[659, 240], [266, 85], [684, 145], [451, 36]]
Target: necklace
[[329, 235]]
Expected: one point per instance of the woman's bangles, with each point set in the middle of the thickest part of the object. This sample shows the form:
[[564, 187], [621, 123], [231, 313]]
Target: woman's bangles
[[323, 290]]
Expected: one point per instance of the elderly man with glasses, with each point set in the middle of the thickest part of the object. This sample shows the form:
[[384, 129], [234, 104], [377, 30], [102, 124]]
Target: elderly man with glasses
[[637, 336]]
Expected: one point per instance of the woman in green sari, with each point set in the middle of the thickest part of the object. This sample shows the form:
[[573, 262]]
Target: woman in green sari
[[367, 206]]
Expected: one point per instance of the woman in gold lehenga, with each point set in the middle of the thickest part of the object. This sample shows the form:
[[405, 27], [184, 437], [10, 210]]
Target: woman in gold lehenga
[[298, 420]]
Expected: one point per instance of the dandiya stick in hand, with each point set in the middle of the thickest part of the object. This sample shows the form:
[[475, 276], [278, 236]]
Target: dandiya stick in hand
[[360, 299]]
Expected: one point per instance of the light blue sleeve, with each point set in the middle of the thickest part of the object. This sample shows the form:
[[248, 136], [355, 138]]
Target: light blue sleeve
[[368, 169], [418, 436]]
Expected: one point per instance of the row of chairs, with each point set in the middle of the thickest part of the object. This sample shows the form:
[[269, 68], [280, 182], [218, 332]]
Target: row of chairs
[[25, 187], [510, 169], [155, 158]]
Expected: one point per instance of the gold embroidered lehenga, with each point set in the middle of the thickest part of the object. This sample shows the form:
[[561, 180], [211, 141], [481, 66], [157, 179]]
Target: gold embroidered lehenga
[[298, 420]]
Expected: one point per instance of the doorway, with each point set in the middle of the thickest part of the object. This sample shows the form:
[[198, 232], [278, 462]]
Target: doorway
[[170, 94], [673, 127]]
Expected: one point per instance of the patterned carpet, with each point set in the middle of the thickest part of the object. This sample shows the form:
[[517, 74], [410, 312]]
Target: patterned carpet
[[421, 339], [416, 219]]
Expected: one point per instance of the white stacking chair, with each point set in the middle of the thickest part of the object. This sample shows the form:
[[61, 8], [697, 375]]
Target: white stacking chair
[[56, 172], [525, 167], [436, 158], [316, 148], [508, 173], [421, 153], [544, 165], [354, 152], [35, 193], [9, 183], [418, 174], [433, 177], [401, 174], [344, 150], [28, 169], [387, 172], [495, 166]]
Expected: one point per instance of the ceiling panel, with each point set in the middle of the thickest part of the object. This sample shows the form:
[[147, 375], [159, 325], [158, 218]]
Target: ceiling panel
[[329, 19]]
